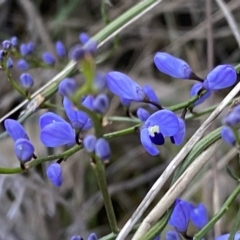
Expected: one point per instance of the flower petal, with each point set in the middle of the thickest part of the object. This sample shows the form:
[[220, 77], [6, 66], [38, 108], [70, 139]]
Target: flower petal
[[151, 95], [194, 91], [124, 87], [143, 114], [54, 174], [48, 118], [166, 120], [147, 143], [172, 235], [57, 134], [178, 138], [102, 149], [15, 129], [199, 216], [23, 149], [228, 135]]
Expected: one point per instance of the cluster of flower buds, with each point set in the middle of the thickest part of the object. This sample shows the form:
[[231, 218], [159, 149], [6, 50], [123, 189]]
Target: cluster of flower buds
[[92, 236], [229, 131], [185, 215]]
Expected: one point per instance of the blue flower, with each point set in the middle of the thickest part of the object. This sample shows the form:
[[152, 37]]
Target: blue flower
[[67, 87], [142, 114], [6, 44], [160, 124], [60, 49], [76, 53], [195, 90], [172, 235], [181, 215], [89, 143], [226, 237], [54, 174], [92, 236], [101, 103], [9, 63], [228, 135], [23, 65], [84, 38], [76, 238], [199, 216], [23, 149], [233, 118], [178, 138], [102, 149], [26, 80], [48, 58], [79, 119], [15, 129], [14, 41], [55, 131], [124, 87], [151, 95], [220, 77], [172, 66], [2, 54], [26, 48]]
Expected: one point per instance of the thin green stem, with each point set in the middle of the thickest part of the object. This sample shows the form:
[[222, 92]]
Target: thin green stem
[[99, 170], [218, 215], [235, 225]]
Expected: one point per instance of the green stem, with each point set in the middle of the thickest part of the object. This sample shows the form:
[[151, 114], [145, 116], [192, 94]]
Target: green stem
[[235, 225], [99, 170], [218, 215]]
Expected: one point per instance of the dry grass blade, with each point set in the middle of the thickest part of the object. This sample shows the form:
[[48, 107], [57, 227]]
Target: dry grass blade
[[178, 187], [174, 164], [230, 19]]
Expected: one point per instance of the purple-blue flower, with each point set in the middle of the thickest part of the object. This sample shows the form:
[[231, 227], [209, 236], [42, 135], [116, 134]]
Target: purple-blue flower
[[92, 236], [101, 103], [14, 41], [89, 143], [159, 125], [15, 129], [220, 77], [55, 131], [181, 215], [60, 49], [67, 87], [172, 66], [6, 44], [54, 174], [23, 149], [228, 136], [79, 119], [178, 138], [151, 95], [199, 216], [76, 238], [84, 38], [172, 235], [124, 87], [2, 54], [48, 58], [195, 90], [233, 118], [226, 237], [102, 149], [26, 48], [9, 63], [22, 65], [26, 80], [76, 53], [143, 114]]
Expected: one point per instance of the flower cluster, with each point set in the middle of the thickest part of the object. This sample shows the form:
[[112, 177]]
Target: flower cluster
[[229, 131], [185, 213]]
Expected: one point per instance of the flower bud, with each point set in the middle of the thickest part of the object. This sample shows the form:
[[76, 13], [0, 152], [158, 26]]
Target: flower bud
[[14, 41], [92, 236], [233, 118], [199, 216], [76, 238], [76, 53], [67, 87], [60, 49], [142, 114], [48, 58], [101, 103], [172, 66], [23, 149], [89, 143], [54, 174], [84, 38], [22, 65], [26, 80], [228, 136], [9, 63], [102, 149]]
